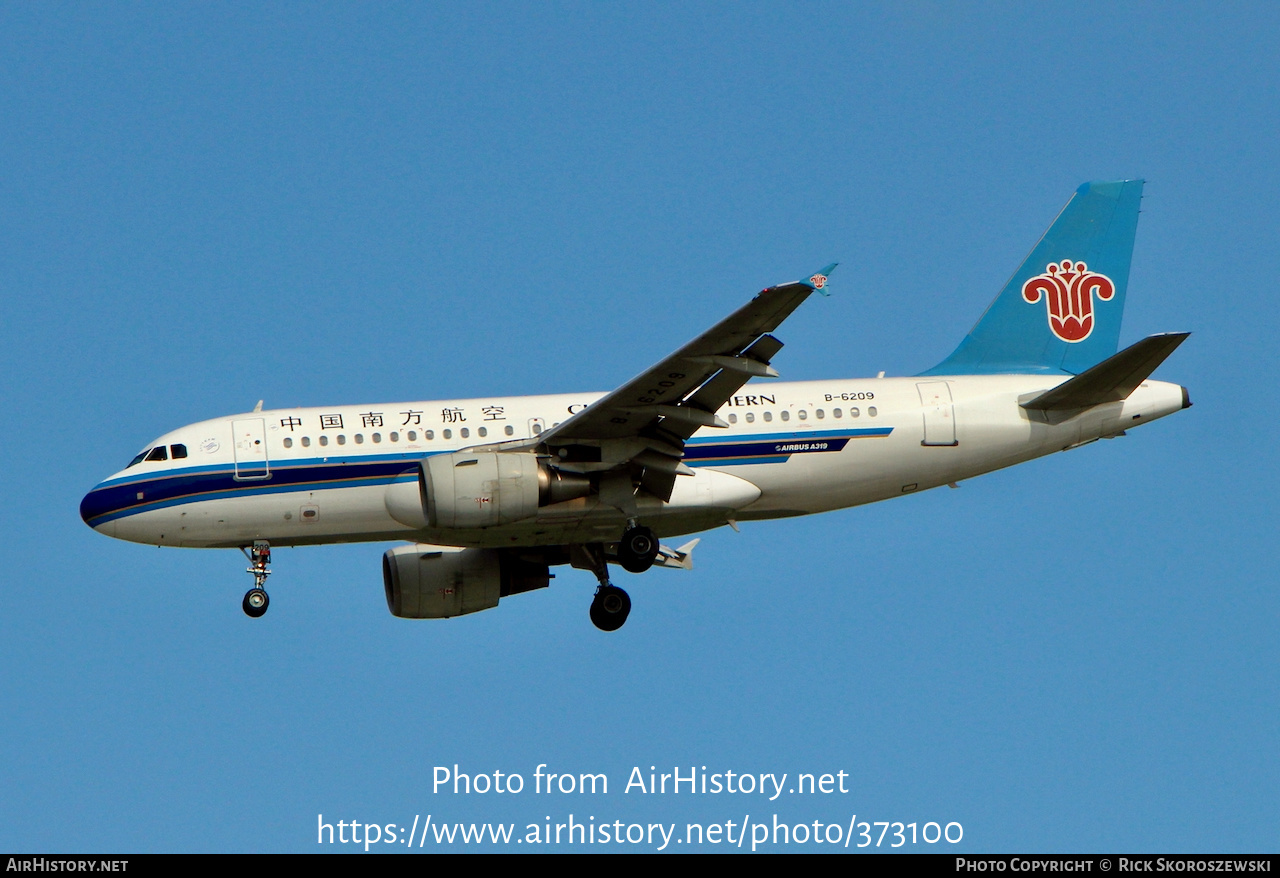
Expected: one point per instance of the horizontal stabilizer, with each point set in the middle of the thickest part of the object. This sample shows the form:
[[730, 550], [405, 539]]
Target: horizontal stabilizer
[[1113, 379]]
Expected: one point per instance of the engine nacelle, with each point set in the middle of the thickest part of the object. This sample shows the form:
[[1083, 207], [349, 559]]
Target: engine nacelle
[[481, 489], [436, 582]]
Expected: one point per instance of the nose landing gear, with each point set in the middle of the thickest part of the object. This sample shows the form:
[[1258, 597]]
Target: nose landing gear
[[255, 599]]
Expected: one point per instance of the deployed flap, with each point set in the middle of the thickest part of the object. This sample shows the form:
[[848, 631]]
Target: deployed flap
[[1113, 379], [678, 559]]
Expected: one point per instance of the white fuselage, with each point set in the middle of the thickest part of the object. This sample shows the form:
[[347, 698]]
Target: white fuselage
[[347, 473]]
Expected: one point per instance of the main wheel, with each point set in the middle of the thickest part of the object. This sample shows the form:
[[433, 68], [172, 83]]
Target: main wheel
[[637, 549], [610, 608], [255, 603]]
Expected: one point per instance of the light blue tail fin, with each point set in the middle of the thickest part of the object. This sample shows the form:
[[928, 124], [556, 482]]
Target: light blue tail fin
[[1061, 310]]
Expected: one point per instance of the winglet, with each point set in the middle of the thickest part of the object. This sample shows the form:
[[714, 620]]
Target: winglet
[[818, 280]]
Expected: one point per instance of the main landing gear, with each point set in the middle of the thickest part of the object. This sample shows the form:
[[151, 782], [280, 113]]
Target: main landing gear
[[255, 599], [611, 605], [636, 552], [637, 549]]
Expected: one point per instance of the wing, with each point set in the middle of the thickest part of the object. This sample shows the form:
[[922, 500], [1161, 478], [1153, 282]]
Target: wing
[[636, 434]]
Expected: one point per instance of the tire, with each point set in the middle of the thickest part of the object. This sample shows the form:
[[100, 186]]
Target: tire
[[255, 603], [610, 608], [637, 549]]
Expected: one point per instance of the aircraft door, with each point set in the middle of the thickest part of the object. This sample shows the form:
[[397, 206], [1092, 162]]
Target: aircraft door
[[250, 437], [939, 413]]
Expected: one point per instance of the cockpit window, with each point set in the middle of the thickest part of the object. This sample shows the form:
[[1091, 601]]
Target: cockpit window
[[178, 451], [158, 453], [141, 456]]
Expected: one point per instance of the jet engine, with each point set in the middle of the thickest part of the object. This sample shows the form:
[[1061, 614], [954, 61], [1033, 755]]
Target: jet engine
[[436, 582], [483, 489]]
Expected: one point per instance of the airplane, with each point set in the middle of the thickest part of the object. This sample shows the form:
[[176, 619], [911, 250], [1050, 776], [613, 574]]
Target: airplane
[[487, 494]]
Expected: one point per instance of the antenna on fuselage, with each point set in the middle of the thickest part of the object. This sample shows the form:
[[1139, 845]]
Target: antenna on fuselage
[[258, 407]]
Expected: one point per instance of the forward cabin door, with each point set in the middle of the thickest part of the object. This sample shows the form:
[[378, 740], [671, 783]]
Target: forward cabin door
[[251, 449]]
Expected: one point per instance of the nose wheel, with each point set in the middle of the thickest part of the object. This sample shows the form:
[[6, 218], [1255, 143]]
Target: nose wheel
[[255, 599], [255, 603]]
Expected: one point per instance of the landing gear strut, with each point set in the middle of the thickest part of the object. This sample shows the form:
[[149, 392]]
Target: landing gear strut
[[255, 599], [637, 549], [611, 605]]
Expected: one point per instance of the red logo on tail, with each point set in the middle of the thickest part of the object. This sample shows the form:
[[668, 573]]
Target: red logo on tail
[[1068, 288]]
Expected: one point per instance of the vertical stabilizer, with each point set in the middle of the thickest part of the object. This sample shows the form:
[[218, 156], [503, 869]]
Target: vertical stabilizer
[[1061, 310]]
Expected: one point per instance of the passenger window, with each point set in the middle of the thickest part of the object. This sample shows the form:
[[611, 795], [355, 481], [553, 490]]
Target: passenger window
[[179, 452], [836, 413], [430, 434], [853, 413], [342, 439], [324, 440], [786, 416], [359, 438], [413, 435], [509, 430], [448, 434], [306, 441], [377, 437], [158, 453], [871, 410], [465, 432], [288, 443], [483, 432], [395, 437], [768, 416], [819, 414], [733, 419], [751, 417]]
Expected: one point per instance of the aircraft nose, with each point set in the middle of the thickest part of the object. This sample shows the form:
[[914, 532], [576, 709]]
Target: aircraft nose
[[86, 508], [95, 505]]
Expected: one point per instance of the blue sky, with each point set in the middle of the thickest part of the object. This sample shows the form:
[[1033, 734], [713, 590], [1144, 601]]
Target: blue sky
[[317, 204]]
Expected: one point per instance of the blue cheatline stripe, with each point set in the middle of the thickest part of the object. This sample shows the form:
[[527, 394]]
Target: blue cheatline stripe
[[776, 447], [737, 461], [330, 460], [144, 492], [115, 500], [794, 436]]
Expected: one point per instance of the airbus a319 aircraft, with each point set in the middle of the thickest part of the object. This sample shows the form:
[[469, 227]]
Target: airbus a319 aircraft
[[491, 493]]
